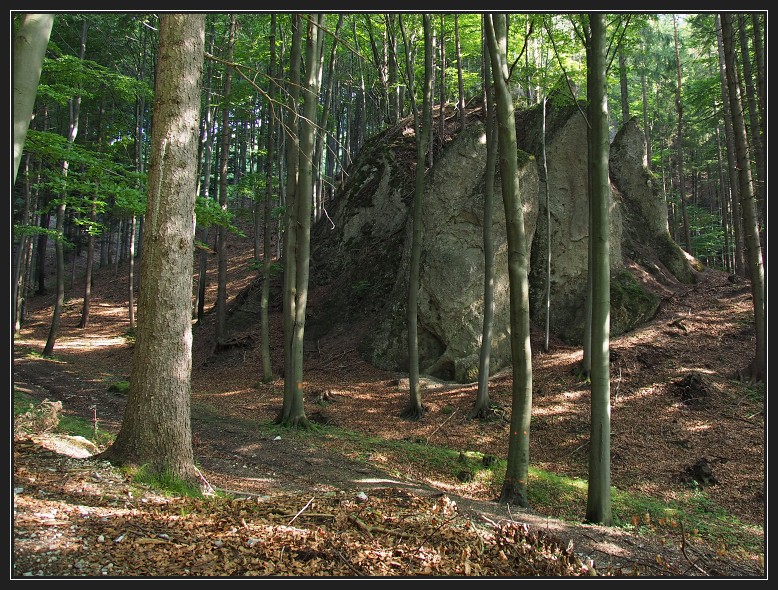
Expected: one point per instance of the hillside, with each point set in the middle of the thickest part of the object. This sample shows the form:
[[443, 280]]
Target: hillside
[[676, 409]]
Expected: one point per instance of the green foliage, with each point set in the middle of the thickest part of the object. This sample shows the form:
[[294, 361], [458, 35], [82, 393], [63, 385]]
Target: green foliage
[[209, 212], [33, 417], [707, 233]]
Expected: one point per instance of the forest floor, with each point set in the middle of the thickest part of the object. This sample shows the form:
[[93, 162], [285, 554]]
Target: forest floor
[[314, 503]]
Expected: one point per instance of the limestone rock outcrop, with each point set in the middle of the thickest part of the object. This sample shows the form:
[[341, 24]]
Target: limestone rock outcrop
[[361, 247]]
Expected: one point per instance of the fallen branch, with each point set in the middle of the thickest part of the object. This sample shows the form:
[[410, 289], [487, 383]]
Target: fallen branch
[[683, 552], [300, 512], [442, 425]]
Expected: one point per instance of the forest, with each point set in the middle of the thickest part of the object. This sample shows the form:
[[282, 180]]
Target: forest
[[456, 294]]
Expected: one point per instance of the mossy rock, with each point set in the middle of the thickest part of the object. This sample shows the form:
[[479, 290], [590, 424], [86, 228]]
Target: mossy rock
[[631, 304]]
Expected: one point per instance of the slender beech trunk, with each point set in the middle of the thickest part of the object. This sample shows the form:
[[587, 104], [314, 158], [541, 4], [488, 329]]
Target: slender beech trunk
[[74, 109], [755, 135], [414, 410], [679, 142], [264, 301], [304, 202], [289, 410], [514, 488], [482, 408], [598, 505], [460, 78], [221, 230], [623, 85]]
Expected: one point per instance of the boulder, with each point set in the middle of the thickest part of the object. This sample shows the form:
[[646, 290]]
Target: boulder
[[361, 247]]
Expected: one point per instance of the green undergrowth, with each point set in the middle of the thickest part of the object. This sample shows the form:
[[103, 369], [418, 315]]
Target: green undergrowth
[[695, 517], [28, 411]]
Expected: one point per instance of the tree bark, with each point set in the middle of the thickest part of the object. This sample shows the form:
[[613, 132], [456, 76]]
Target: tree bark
[[29, 48], [304, 202], [74, 110], [460, 78], [264, 300], [514, 488], [679, 142], [482, 408], [291, 222], [755, 372], [729, 137], [156, 428], [598, 506], [221, 230], [414, 410]]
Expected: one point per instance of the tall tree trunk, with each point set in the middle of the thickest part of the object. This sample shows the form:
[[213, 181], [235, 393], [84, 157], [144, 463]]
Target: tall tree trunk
[[598, 505], [646, 131], [755, 372], [90, 260], [264, 300], [442, 89], [755, 135], [584, 372], [723, 203], [394, 75], [221, 230], [679, 139], [460, 79], [729, 136], [548, 232], [304, 201], [414, 410], [74, 109], [156, 428], [761, 92], [288, 410], [482, 407], [202, 229], [514, 487], [325, 115], [22, 250], [623, 85], [29, 48]]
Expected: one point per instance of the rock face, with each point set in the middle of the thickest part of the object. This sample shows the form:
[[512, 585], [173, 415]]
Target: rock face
[[361, 249], [648, 241], [372, 220]]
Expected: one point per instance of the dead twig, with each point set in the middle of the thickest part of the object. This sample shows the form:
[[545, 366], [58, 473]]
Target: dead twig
[[300, 512], [683, 552]]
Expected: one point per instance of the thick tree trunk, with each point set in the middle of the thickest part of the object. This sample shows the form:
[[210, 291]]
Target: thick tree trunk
[[29, 48], [156, 428], [514, 488], [598, 505]]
